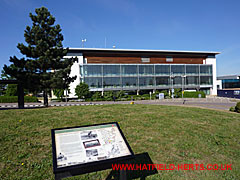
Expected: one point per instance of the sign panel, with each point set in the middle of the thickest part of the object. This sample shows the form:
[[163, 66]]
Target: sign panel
[[86, 144], [161, 95]]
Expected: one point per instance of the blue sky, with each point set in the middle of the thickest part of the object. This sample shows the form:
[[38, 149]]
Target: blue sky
[[202, 25]]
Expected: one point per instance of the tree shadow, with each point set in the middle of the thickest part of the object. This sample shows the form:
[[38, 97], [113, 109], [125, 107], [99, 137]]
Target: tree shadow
[[16, 108]]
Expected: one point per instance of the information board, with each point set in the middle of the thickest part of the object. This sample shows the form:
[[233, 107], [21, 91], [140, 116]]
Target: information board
[[86, 144]]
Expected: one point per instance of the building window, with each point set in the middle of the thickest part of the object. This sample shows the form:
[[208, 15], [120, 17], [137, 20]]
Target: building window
[[93, 70], [146, 81], [111, 70], [206, 69], [129, 81], [146, 69], [146, 76], [206, 80], [129, 70], [111, 82], [192, 80], [192, 69], [94, 82], [169, 59], [162, 70], [145, 59], [178, 69], [162, 81]]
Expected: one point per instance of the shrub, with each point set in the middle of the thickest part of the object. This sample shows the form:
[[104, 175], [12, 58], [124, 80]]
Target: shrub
[[96, 96], [14, 99], [82, 90], [177, 93], [145, 97], [237, 107], [108, 96], [194, 94], [121, 94], [232, 109]]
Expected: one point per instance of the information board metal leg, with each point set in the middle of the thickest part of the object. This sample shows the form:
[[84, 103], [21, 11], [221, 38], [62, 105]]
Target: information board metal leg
[[57, 177], [123, 175]]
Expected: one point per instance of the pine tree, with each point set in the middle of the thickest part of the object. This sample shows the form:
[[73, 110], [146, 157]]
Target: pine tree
[[43, 67]]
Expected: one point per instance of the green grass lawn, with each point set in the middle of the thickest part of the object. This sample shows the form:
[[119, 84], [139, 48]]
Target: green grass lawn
[[170, 135]]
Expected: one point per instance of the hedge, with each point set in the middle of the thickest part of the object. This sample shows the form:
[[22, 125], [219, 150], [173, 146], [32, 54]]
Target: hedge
[[193, 94], [14, 99], [237, 107]]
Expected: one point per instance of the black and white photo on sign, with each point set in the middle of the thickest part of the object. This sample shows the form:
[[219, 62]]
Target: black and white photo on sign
[[115, 150], [88, 135], [93, 143], [91, 152], [61, 157]]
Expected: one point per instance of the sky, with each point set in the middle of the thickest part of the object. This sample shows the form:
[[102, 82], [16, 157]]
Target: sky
[[197, 25]]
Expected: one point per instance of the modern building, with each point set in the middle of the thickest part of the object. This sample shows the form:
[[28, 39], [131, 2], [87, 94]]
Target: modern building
[[230, 81], [229, 86], [135, 70]]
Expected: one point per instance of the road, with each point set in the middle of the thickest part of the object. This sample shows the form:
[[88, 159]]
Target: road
[[210, 103]]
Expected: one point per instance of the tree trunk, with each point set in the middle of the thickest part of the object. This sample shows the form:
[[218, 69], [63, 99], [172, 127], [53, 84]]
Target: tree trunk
[[66, 95], [20, 96], [45, 98]]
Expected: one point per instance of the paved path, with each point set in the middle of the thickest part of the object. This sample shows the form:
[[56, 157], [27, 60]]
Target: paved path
[[212, 103]]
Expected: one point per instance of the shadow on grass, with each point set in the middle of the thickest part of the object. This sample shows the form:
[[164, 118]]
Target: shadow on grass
[[140, 160], [16, 108]]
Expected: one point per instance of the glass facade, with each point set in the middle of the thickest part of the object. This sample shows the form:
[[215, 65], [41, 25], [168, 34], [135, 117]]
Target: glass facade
[[146, 76], [231, 83]]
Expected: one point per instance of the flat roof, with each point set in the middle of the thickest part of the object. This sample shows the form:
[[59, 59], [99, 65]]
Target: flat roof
[[144, 50], [228, 77]]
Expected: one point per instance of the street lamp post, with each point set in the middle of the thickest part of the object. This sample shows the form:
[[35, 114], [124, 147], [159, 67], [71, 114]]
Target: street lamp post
[[172, 76], [83, 40], [183, 76]]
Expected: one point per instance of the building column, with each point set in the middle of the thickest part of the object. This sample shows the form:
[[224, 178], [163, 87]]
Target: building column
[[75, 71], [137, 92], [212, 61]]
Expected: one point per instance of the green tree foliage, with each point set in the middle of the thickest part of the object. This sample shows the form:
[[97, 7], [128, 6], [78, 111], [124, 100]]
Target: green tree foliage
[[43, 67], [11, 90], [82, 90], [58, 92], [3, 87]]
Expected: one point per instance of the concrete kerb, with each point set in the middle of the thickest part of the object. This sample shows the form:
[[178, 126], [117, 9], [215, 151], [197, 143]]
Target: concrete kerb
[[51, 105]]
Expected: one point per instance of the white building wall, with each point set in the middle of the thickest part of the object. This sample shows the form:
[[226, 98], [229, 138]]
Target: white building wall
[[213, 91], [75, 71], [219, 83]]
